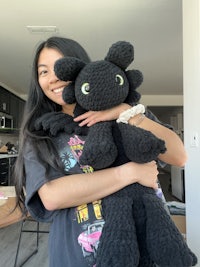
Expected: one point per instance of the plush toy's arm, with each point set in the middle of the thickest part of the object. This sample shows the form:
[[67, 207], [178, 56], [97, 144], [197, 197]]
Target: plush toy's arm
[[84, 129], [99, 149], [140, 145]]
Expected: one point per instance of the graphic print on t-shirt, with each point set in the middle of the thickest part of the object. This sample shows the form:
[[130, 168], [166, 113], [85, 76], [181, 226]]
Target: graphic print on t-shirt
[[76, 146], [87, 216]]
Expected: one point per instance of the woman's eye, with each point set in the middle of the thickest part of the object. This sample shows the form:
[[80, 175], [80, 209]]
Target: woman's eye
[[42, 72], [85, 88], [119, 79]]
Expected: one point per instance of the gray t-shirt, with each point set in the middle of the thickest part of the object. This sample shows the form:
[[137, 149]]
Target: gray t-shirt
[[74, 232]]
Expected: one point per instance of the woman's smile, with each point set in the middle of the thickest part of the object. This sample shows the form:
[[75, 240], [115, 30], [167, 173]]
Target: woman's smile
[[49, 82]]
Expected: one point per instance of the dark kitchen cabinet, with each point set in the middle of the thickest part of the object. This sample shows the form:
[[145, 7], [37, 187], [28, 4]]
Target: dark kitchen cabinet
[[10, 170], [21, 111], [6, 168], [4, 100], [12, 105], [16, 110]]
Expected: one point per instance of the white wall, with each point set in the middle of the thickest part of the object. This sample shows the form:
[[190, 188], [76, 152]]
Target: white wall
[[191, 73], [162, 100]]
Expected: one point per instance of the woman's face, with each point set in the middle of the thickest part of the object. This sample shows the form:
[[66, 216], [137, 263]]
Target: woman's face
[[50, 84]]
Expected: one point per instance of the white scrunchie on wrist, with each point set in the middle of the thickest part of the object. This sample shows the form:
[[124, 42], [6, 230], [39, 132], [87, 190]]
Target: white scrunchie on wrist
[[131, 112]]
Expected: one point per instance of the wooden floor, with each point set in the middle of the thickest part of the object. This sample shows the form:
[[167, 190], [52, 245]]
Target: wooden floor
[[8, 245]]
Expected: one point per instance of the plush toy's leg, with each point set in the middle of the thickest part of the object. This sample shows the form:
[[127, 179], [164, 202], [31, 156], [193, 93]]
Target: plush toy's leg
[[145, 260], [136, 191], [118, 245], [165, 243]]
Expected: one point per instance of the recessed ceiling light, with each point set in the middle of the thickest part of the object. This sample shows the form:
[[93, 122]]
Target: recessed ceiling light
[[42, 29]]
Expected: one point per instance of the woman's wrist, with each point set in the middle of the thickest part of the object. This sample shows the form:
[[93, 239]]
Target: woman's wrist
[[130, 176], [137, 119], [126, 115]]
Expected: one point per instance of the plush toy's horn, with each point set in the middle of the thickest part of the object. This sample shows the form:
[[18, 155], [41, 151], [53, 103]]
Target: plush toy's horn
[[135, 79], [67, 68], [121, 54]]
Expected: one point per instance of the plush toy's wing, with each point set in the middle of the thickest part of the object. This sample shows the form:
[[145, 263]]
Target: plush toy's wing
[[54, 122]]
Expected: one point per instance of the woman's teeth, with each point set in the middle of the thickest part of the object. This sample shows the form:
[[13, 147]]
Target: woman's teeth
[[58, 90]]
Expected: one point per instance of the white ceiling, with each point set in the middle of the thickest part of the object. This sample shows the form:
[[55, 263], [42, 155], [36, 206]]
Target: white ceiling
[[154, 27]]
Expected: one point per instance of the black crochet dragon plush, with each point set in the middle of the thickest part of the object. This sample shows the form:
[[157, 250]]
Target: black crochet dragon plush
[[138, 231]]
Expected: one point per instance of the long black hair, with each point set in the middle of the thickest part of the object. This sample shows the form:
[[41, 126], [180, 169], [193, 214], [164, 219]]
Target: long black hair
[[36, 105]]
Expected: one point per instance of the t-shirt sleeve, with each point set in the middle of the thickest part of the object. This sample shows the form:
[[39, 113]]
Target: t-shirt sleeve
[[35, 178], [151, 116]]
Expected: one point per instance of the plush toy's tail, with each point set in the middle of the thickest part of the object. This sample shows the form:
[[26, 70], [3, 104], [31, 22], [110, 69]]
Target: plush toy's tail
[[165, 244], [118, 245]]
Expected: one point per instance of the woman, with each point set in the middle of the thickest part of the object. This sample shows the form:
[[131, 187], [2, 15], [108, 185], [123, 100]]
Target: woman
[[57, 190]]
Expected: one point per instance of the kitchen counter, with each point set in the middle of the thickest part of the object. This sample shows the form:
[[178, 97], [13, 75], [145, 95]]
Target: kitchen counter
[[7, 203], [3, 156]]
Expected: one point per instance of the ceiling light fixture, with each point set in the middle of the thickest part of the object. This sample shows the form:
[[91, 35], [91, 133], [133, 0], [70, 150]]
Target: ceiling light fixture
[[41, 29]]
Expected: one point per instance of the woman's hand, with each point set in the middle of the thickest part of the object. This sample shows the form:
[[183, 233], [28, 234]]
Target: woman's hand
[[91, 117], [145, 174]]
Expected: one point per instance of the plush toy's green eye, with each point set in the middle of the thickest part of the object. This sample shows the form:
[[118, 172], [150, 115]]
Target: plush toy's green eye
[[85, 88], [119, 79]]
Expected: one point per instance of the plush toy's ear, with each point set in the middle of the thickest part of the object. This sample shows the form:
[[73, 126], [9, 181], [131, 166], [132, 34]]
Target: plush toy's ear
[[121, 54], [135, 79], [67, 68]]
